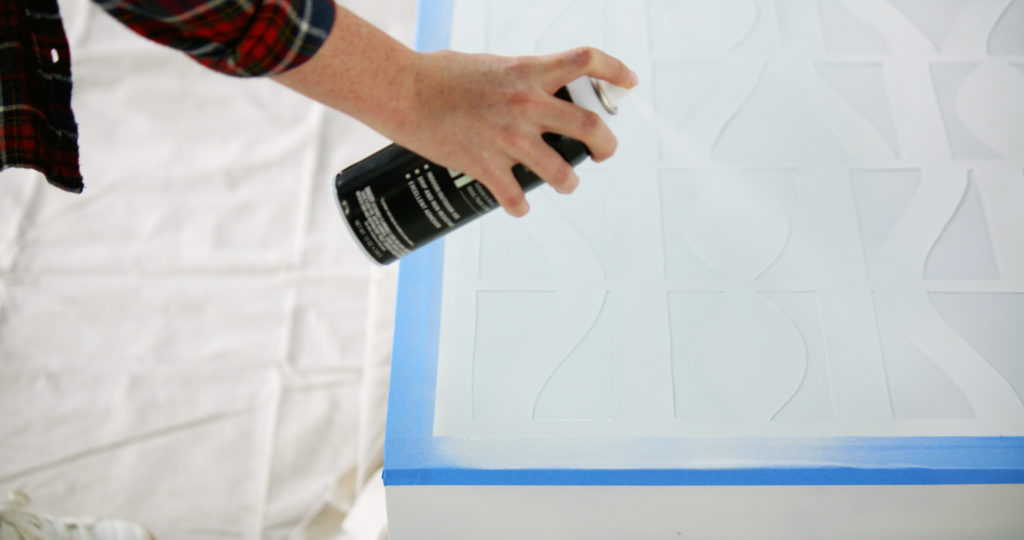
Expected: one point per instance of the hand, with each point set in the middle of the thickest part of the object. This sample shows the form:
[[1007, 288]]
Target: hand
[[479, 114], [482, 114]]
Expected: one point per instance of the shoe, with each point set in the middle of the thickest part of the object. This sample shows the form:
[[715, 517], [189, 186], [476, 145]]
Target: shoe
[[17, 524]]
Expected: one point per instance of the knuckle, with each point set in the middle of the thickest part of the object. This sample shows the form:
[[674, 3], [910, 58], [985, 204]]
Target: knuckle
[[582, 56], [517, 67], [503, 189], [510, 137], [590, 122], [511, 199], [606, 149], [520, 99], [561, 175], [564, 174]]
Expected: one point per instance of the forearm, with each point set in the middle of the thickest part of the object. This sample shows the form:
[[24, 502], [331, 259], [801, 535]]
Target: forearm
[[361, 71], [478, 113]]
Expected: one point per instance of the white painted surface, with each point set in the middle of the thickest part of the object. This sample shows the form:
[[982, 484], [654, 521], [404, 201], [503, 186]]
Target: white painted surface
[[807, 230], [720, 512], [811, 228]]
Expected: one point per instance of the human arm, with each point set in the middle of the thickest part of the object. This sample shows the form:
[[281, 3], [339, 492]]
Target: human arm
[[480, 114]]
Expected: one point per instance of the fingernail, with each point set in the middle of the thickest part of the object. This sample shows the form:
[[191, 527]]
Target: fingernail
[[633, 79]]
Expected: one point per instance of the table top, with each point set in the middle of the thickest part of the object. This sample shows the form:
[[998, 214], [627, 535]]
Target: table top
[[805, 263]]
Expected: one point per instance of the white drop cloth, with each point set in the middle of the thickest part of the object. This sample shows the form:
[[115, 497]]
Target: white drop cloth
[[194, 343]]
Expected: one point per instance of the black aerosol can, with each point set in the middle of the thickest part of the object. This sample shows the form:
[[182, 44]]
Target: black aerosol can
[[396, 201]]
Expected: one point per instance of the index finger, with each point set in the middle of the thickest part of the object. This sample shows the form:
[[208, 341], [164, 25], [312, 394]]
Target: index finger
[[570, 65]]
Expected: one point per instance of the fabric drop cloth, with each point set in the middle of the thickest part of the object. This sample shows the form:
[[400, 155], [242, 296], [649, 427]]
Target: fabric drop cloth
[[194, 343]]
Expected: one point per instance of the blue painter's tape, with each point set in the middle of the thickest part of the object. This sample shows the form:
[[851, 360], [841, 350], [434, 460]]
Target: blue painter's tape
[[418, 310], [414, 456], [433, 24]]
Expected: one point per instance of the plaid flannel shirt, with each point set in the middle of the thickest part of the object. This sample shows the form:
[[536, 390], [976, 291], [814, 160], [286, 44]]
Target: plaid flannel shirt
[[238, 37]]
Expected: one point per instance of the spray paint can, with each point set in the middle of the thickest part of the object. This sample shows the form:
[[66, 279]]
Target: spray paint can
[[396, 201]]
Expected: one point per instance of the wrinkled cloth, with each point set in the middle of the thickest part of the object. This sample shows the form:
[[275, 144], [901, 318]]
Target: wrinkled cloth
[[195, 343], [244, 38]]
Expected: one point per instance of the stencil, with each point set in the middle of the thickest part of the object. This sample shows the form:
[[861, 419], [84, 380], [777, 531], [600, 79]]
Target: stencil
[[755, 376], [990, 322], [933, 17], [693, 28], [918, 388], [989, 106], [692, 400], [735, 228], [845, 32], [863, 86], [516, 256], [1007, 36], [695, 110], [811, 228], [575, 22], [964, 249], [582, 386], [962, 142], [586, 210], [775, 126], [812, 401], [882, 196], [503, 350]]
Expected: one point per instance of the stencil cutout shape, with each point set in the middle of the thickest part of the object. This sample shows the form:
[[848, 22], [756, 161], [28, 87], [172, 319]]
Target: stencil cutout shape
[[917, 387], [812, 402], [501, 346], [517, 256], [755, 376], [847, 33], [991, 323], [933, 17], [736, 228], [692, 27], [882, 196], [795, 265], [1007, 36], [989, 104], [575, 23], [677, 190], [774, 126], [582, 386], [681, 92], [964, 249], [514, 29], [691, 398], [963, 143], [863, 87], [586, 210]]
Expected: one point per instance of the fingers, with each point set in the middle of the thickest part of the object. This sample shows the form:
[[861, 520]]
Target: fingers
[[509, 194], [549, 166], [543, 161], [580, 124], [572, 64]]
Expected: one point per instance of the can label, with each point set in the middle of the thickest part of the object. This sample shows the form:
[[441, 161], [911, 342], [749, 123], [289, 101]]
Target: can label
[[402, 211]]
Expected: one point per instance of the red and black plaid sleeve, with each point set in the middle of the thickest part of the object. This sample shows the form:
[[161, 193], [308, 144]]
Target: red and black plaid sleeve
[[37, 128], [238, 37]]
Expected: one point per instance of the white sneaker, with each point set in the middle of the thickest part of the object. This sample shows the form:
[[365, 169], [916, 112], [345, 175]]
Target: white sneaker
[[17, 524]]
